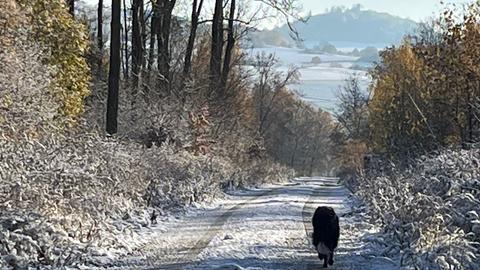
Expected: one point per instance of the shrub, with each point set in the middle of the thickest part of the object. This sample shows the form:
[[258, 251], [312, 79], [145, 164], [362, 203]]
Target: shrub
[[430, 211], [65, 43]]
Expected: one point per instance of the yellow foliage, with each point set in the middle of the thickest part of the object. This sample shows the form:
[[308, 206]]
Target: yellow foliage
[[66, 43], [396, 83], [426, 92], [8, 22]]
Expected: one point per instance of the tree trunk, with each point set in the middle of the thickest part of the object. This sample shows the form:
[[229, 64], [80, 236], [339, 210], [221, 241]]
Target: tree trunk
[[137, 43], [125, 27], [122, 51], [100, 34], [153, 33], [114, 71], [229, 49], [163, 40], [71, 7], [292, 159], [217, 46], [191, 38], [143, 33]]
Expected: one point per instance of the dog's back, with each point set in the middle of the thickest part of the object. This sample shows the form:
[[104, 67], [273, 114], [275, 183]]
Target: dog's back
[[326, 232]]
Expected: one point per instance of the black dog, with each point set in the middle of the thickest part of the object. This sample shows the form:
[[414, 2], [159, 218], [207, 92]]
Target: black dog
[[326, 232]]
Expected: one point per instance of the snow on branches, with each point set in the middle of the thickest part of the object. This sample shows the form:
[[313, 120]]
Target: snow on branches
[[430, 210]]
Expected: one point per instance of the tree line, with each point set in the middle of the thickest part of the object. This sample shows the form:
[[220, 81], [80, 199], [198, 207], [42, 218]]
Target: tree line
[[424, 95], [154, 21], [156, 56]]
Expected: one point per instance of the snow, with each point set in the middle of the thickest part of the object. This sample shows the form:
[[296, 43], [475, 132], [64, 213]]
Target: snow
[[322, 73], [429, 208], [318, 83], [293, 56], [261, 228]]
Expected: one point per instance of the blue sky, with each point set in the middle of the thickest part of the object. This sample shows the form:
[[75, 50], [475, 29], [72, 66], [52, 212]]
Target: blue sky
[[417, 10], [413, 9]]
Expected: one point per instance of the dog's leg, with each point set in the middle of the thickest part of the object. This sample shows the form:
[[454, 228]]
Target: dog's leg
[[330, 260], [325, 259]]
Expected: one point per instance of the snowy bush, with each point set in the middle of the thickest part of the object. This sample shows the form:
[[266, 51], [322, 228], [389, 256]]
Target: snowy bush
[[62, 195], [430, 210], [68, 197]]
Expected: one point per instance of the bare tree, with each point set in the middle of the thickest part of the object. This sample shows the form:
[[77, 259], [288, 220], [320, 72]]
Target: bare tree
[[137, 42], [216, 46], [100, 33], [165, 9], [114, 71], [267, 91], [290, 10], [153, 33], [229, 48], [196, 9], [352, 111], [125, 32]]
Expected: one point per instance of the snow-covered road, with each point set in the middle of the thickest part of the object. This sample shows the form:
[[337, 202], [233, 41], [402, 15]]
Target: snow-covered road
[[263, 228]]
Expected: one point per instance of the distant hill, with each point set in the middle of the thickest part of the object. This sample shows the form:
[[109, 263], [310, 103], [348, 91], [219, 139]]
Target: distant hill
[[345, 25]]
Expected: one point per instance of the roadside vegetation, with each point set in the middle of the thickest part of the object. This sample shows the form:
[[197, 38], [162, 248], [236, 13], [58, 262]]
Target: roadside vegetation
[[410, 145]]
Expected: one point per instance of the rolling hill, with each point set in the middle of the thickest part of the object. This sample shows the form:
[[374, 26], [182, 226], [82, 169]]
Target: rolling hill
[[344, 25]]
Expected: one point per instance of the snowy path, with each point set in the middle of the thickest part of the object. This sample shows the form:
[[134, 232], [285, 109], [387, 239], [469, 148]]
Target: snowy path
[[262, 229]]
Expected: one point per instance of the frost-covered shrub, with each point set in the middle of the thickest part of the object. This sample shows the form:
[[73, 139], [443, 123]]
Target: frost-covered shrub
[[62, 194], [65, 43], [183, 178], [26, 104], [430, 210]]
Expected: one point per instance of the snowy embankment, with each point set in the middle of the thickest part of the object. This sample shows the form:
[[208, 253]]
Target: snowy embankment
[[430, 210], [264, 228]]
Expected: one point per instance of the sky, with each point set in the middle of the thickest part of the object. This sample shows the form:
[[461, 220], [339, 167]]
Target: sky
[[417, 10]]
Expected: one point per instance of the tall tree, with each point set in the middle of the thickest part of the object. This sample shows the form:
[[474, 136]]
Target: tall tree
[[137, 42], [229, 48], [216, 46], [114, 71], [153, 34], [100, 33], [143, 33], [125, 31], [163, 39], [196, 9]]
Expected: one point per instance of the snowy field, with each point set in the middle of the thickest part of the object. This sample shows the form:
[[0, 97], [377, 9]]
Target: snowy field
[[318, 83], [263, 228]]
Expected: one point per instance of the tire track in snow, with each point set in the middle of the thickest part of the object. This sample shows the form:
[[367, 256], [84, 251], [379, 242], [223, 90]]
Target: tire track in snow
[[214, 229], [268, 233], [218, 226]]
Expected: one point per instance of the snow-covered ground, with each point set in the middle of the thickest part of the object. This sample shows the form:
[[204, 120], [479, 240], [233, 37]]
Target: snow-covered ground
[[318, 83], [263, 228]]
